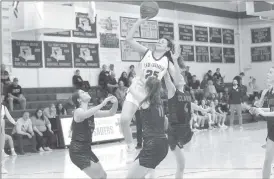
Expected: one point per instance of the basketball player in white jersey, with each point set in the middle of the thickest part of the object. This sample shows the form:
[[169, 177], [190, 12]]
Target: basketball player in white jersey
[[154, 63]]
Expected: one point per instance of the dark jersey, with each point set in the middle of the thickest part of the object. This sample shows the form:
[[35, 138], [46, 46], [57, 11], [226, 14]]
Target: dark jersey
[[153, 122], [179, 107], [82, 131]]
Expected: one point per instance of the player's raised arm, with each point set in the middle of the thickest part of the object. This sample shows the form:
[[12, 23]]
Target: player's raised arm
[[129, 39]]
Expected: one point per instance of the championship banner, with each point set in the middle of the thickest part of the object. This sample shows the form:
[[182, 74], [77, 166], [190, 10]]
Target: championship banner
[[26, 54], [57, 55], [106, 129], [86, 55], [84, 27], [109, 40]]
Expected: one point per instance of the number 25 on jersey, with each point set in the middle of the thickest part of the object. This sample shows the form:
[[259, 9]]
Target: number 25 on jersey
[[150, 73]]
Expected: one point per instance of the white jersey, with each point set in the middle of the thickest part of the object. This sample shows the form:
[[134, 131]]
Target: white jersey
[[153, 67]]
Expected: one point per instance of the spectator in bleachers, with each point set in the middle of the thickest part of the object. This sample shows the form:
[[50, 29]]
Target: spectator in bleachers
[[218, 75], [77, 80], [205, 116], [223, 101], [218, 86], [221, 115], [111, 69], [15, 95], [252, 89], [213, 113], [112, 84], [121, 93], [194, 83], [50, 113], [42, 130], [24, 130], [9, 139], [188, 75], [210, 89], [132, 72], [204, 82], [209, 75], [60, 110], [5, 79], [235, 98], [103, 77], [124, 78]]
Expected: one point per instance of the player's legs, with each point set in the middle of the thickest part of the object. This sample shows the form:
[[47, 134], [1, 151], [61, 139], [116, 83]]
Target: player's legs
[[127, 114], [180, 160], [2, 143], [269, 155], [95, 171], [9, 139], [232, 114], [138, 171]]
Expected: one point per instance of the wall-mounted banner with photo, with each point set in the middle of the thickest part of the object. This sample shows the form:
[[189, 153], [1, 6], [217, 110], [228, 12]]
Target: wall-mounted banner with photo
[[201, 34], [261, 54], [185, 32], [26, 54], [149, 30], [187, 52], [109, 40], [229, 55], [166, 29], [202, 55], [128, 54], [108, 25], [149, 45], [215, 35], [216, 55], [58, 55], [86, 55], [84, 27], [59, 34], [228, 36], [126, 24], [261, 35]]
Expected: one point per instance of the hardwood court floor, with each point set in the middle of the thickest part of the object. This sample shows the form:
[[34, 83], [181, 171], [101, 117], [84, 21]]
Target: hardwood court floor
[[210, 154]]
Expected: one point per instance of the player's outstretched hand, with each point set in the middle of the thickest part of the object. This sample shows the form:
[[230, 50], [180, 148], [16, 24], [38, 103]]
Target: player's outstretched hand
[[106, 100]]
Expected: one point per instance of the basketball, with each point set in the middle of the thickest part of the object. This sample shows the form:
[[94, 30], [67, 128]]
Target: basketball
[[149, 9]]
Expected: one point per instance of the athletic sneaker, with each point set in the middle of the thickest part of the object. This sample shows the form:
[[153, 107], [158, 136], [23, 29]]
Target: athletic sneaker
[[4, 171], [41, 149], [47, 149], [241, 128], [4, 155], [13, 153]]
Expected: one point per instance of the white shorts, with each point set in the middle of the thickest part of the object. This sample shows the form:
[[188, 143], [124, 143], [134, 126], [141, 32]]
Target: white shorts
[[140, 88]]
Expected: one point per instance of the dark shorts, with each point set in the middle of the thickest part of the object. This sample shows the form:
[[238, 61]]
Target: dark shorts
[[270, 131], [81, 154], [179, 136], [153, 152]]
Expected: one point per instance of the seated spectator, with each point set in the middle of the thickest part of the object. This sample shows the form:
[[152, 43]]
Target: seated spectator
[[219, 87], [5, 79], [77, 80], [60, 110], [9, 139], [121, 93], [112, 84], [194, 83], [50, 114], [221, 115], [124, 78], [24, 130], [210, 89], [218, 75], [132, 72], [194, 122], [188, 75], [252, 89], [213, 113], [111, 69], [223, 101], [209, 75], [256, 101], [205, 116], [104, 78], [42, 130], [15, 95], [211, 97], [204, 82]]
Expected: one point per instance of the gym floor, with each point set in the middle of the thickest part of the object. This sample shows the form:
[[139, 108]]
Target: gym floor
[[211, 154]]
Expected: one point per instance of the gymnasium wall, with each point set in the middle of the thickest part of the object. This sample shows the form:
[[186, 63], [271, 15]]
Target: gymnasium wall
[[61, 77], [255, 69]]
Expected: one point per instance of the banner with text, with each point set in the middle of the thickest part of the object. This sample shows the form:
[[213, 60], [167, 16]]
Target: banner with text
[[261, 54], [126, 24], [215, 35], [84, 27], [229, 55], [261, 35], [228, 36], [185, 32], [202, 55], [109, 40], [108, 25], [216, 55], [166, 29], [26, 54], [128, 54], [149, 30], [58, 55], [187, 51], [86, 55], [201, 34]]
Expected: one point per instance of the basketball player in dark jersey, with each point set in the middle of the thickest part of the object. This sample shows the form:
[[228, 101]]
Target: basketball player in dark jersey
[[268, 112], [82, 128], [155, 144], [179, 106]]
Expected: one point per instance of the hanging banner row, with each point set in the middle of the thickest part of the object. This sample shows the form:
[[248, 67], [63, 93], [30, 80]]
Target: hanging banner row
[[28, 54]]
